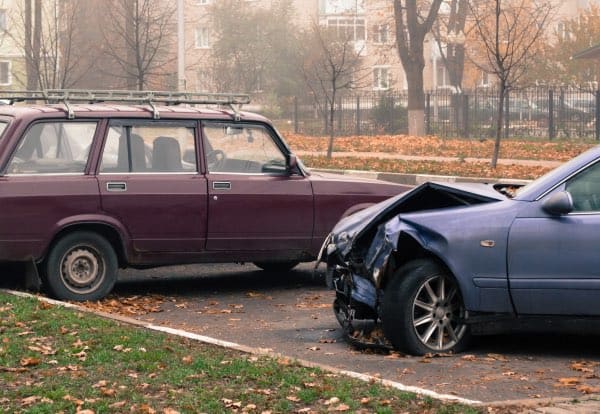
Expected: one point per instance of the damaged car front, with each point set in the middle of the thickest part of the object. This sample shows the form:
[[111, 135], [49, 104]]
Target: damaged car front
[[390, 265], [443, 261]]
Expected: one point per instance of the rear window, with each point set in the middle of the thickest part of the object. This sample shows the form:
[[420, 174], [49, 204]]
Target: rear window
[[53, 148]]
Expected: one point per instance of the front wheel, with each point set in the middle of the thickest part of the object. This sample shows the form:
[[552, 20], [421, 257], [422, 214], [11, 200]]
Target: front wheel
[[423, 310], [277, 266], [81, 266]]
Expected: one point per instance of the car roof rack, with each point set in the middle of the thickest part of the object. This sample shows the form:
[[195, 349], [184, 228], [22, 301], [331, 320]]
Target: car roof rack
[[66, 96]]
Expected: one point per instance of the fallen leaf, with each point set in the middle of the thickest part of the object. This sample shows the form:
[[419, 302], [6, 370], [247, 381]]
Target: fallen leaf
[[28, 362], [567, 382]]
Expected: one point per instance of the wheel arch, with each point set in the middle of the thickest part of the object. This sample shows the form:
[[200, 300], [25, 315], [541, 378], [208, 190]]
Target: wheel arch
[[413, 249], [111, 233]]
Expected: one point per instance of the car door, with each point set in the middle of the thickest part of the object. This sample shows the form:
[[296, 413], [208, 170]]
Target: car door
[[255, 203], [149, 181], [554, 261]]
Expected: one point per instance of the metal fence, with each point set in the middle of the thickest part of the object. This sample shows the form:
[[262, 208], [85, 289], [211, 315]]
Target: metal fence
[[534, 112]]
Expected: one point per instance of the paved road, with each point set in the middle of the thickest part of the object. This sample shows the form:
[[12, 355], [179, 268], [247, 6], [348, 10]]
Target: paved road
[[291, 314]]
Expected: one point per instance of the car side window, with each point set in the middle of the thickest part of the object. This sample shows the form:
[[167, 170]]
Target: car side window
[[585, 189], [242, 148], [149, 149], [53, 148]]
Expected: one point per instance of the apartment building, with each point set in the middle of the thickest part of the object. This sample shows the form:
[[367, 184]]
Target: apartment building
[[12, 60], [369, 22]]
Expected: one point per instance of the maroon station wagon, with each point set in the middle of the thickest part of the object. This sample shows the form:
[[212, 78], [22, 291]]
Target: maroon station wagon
[[87, 188]]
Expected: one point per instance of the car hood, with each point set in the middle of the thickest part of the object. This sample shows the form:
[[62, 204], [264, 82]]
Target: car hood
[[426, 197]]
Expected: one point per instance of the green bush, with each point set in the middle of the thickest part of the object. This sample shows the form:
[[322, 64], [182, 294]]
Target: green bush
[[389, 116]]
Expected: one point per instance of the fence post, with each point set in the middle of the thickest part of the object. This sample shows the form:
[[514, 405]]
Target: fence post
[[296, 114], [428, 114], [598, 115], [551, 129], [466, 115], [357, 115]]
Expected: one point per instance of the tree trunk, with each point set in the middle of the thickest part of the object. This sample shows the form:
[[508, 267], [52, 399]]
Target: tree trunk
[[416, 100], [331, 127], [500, 120]]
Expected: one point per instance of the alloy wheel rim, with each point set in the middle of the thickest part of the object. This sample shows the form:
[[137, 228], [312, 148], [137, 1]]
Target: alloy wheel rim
[[438, 313]]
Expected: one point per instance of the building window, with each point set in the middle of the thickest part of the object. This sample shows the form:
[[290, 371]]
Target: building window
[[381, 78], [202, 38], [3, 25], [348, 28], [563, 32], [382, 33], [342, 6], [485, 80], [5, 76], [202, 2]]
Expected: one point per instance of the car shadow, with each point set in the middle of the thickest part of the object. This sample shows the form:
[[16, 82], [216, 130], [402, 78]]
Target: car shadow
[[189, 280]]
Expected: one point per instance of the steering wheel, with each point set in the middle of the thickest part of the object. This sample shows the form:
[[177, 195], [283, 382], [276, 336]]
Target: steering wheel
[[214, 159]]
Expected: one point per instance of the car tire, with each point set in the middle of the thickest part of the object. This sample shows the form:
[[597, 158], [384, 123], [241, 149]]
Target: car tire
[[277, 266], [423, 311], [81, 266]]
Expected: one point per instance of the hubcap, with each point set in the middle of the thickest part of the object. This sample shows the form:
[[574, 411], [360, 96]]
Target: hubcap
[[82, 269], [437, 314]]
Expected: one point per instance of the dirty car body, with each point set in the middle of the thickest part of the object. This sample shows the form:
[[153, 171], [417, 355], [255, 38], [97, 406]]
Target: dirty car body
[[443, 261]]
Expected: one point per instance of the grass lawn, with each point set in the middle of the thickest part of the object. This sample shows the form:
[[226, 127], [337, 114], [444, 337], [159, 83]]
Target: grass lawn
[[54, 359]]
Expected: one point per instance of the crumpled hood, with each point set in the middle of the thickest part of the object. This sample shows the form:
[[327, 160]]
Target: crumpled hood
[[428, 196]]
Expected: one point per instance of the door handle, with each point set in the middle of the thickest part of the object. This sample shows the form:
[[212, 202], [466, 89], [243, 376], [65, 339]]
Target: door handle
[[116, 186], [221, 185]]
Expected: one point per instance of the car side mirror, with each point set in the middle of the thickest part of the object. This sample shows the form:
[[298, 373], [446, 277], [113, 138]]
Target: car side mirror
[[292, 163], [558, 204]]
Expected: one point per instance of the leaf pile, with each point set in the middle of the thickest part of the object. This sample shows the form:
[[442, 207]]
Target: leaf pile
[[129, 305]]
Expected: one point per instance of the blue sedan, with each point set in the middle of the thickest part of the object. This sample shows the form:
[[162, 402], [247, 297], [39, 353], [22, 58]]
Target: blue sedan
[[441, 262]]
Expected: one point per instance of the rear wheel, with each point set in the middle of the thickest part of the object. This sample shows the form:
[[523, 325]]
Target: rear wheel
[[423, 310], [277, 266], [81, 266]]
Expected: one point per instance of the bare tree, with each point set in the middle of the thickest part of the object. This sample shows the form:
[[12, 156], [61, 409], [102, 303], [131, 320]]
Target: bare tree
[[414, 19], [254, 48], [138, 38], [449, 34], [509, 32], [52, 43], [331, 65]]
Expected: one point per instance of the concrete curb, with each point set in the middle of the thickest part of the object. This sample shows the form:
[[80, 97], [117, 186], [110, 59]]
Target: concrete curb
[[248, 350], [417, 179]]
